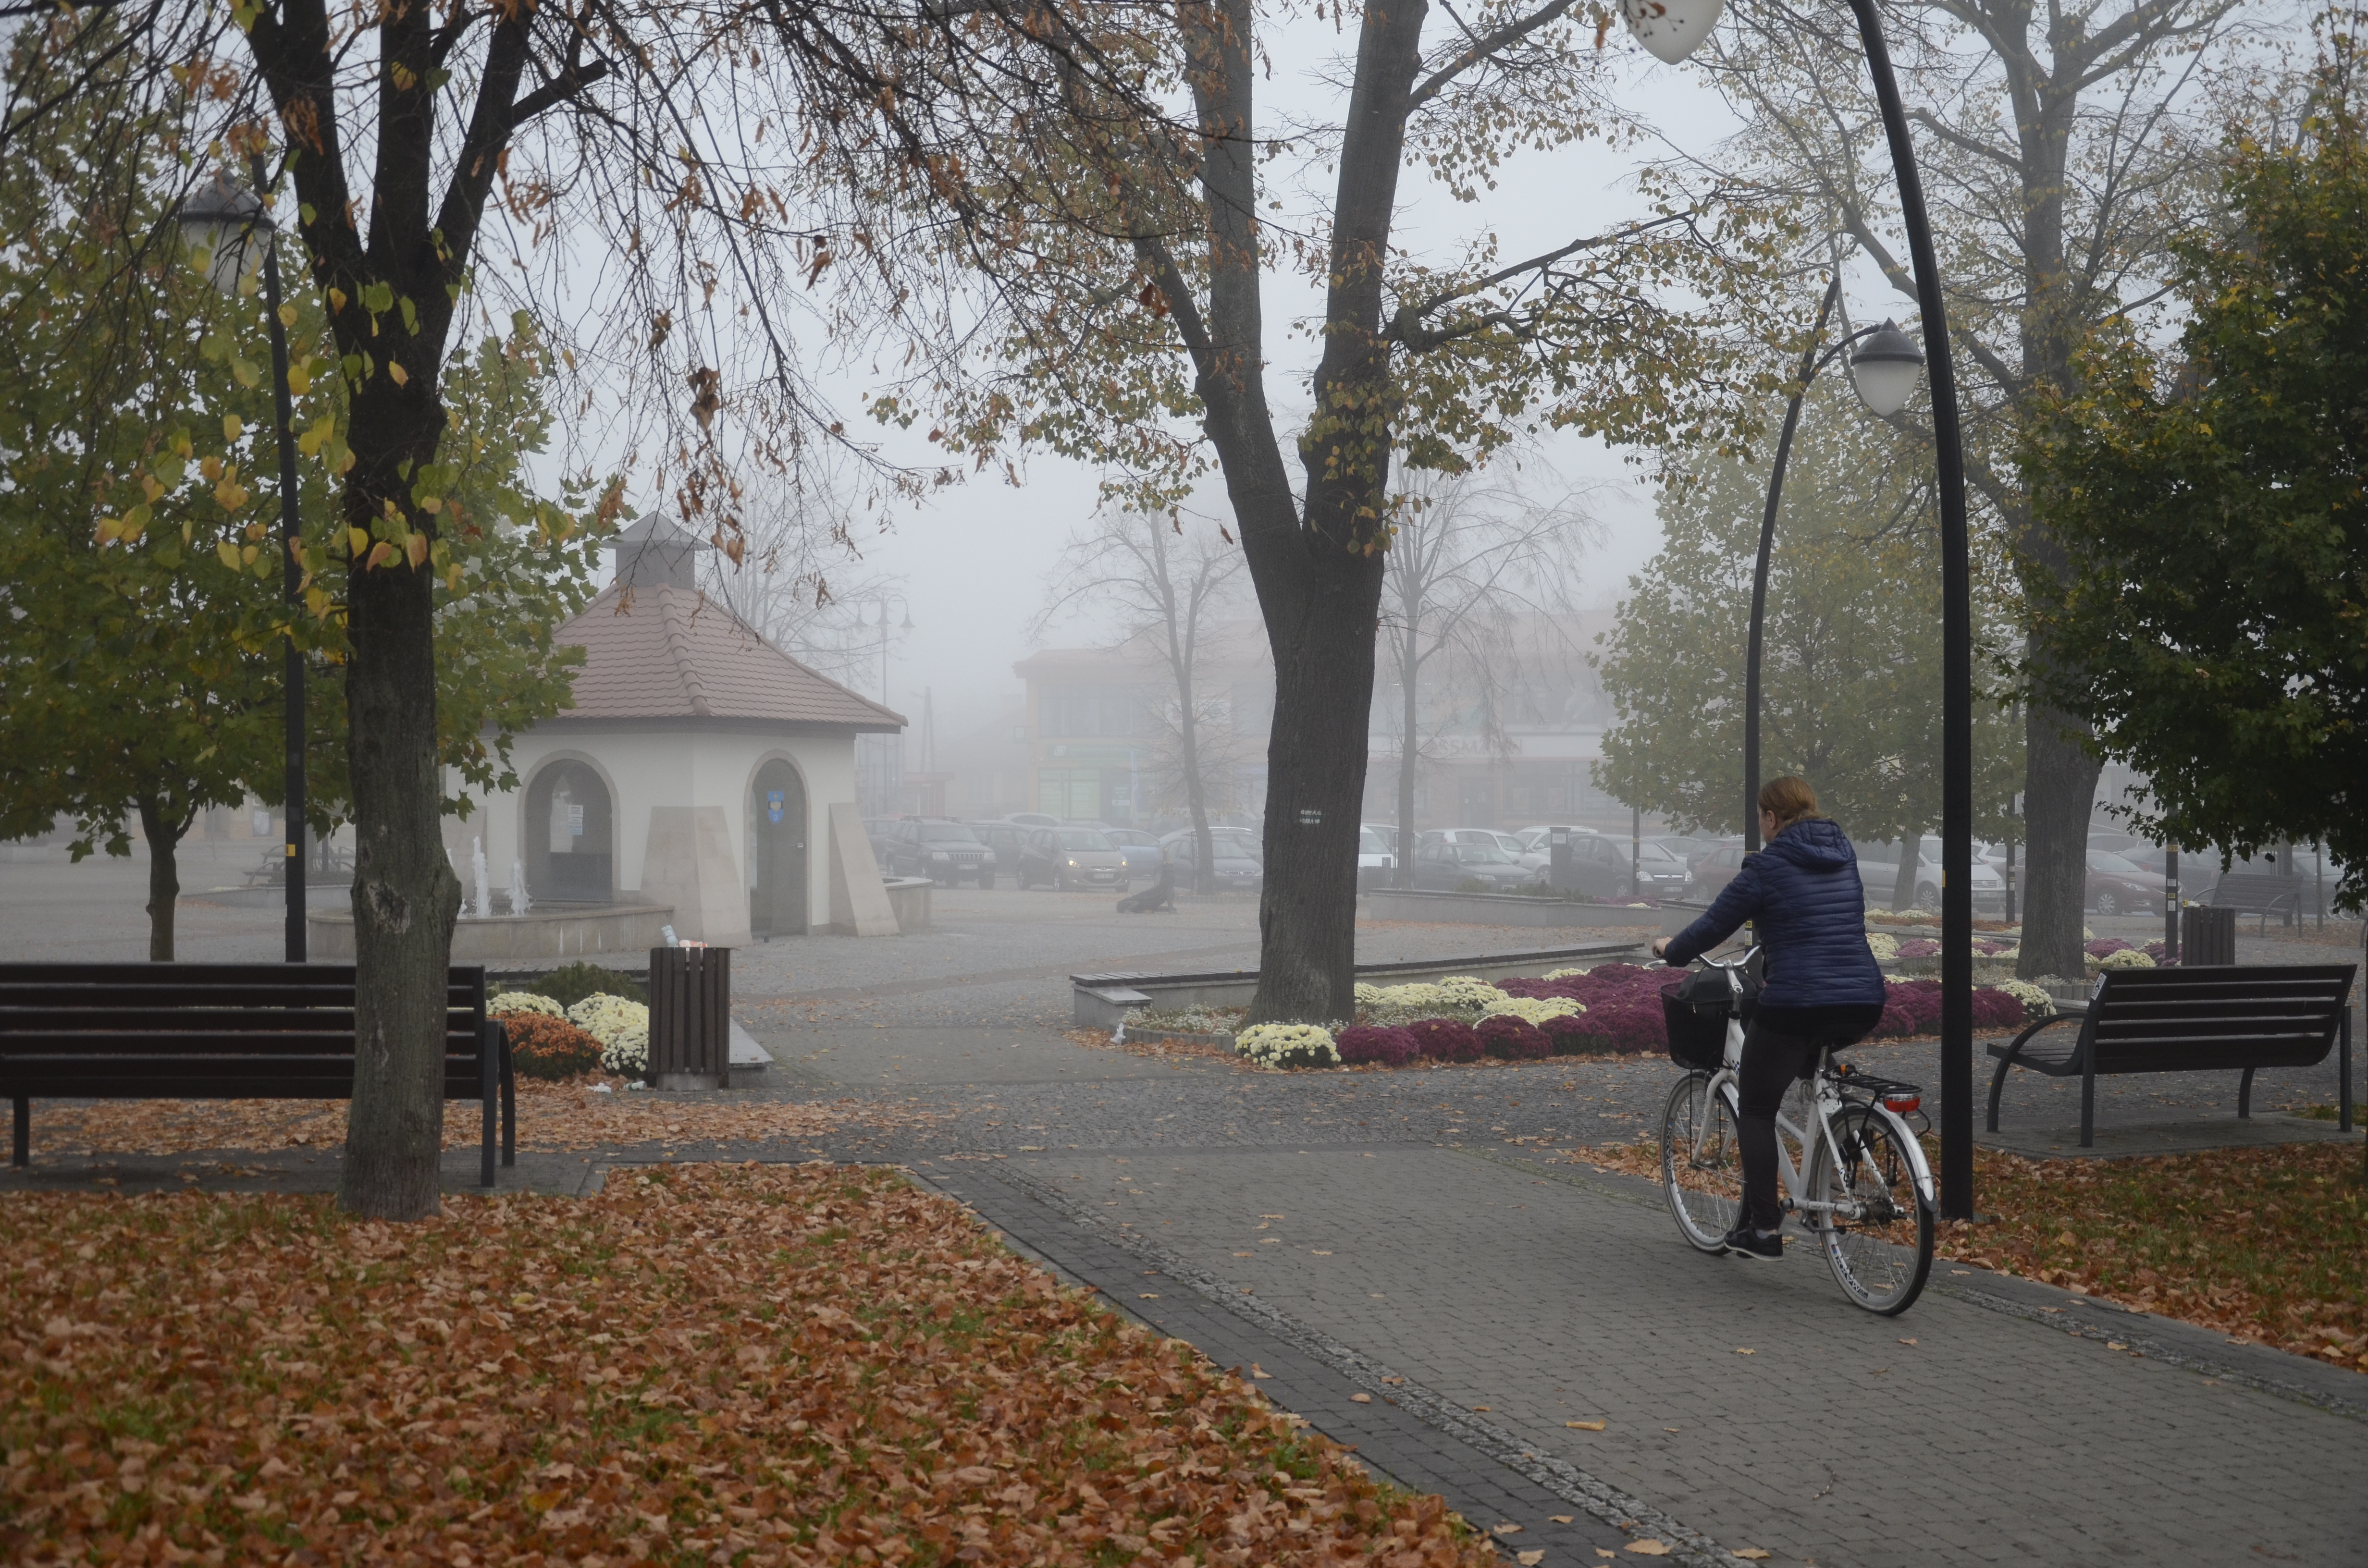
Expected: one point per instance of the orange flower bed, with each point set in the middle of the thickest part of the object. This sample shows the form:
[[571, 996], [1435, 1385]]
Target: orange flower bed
[[780, 1364]]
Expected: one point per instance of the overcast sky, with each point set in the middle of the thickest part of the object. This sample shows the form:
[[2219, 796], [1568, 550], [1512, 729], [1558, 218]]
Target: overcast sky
[[974, 560]]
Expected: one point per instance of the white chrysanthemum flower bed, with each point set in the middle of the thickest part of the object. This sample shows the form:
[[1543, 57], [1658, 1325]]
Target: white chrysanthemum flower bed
[[2036, 1003], [1565, 973], [510, 1002], [622, 1028], [1415, 994], [1885, 946], [2128, 958], [1533, 1009], [1287, 1045], [1468, 991]]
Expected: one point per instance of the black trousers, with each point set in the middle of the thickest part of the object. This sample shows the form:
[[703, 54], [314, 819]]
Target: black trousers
[[1780, 1047]]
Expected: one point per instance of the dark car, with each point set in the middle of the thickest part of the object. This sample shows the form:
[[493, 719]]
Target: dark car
[[1445, 865], [1235, 865], [1006, 839], [1071, 857], [1712, 873], [941, 849], [1143, 856], [2118, 886], [1688, 849]]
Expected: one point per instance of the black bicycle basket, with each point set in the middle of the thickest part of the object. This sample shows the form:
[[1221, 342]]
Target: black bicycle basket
[[1696, 1009]]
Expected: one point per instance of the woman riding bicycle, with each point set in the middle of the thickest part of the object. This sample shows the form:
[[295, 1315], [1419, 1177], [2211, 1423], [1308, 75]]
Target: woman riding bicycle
[[1822, 988]]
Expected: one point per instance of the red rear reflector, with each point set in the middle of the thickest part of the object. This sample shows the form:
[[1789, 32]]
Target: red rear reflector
[[1902, 1104]]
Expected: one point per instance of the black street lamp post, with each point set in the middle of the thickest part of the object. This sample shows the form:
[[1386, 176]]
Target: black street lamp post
[[1672, 29], [228, 222], [1885, 370]]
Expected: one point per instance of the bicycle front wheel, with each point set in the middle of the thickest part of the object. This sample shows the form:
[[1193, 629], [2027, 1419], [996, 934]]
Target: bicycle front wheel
[[1877, 1234], [1701, 1167]]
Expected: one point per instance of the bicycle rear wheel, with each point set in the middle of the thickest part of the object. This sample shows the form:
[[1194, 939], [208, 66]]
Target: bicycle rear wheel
[[1701, 1167], [1878, 1237]]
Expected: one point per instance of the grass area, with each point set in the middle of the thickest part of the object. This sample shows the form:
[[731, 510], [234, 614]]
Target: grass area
[[725, 1364], [2266, 1245]]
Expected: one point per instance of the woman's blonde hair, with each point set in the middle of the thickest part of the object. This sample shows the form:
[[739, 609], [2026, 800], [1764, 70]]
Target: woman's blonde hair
[[1787, 800]]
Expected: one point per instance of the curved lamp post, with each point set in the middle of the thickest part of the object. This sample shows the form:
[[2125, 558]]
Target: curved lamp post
[[232, 230], [1884, 369], [1672, 29]]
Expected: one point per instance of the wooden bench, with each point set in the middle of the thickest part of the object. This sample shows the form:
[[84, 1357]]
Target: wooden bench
[[2194, 1020], [130, 1032]]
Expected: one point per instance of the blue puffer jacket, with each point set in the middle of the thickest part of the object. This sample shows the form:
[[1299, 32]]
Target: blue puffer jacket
[[1802, 892]]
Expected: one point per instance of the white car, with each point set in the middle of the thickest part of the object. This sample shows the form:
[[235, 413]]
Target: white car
[[1377, 863]]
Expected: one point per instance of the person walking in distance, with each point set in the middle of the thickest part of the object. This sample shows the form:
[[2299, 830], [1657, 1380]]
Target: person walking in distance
[[1822, 988]]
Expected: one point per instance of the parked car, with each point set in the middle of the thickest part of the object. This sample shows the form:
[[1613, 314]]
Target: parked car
[[1878, 871], [1446, 864], [1376, 861], [1004, 838], [2117, 886], [878, 831], [1535, 859], [940, 849], [1033, 819], [1143, 856], [1712, 873], [1688, 848], [1234, 864], [1388, 833], [1659, 873], [1071, 857], [1512, 848]]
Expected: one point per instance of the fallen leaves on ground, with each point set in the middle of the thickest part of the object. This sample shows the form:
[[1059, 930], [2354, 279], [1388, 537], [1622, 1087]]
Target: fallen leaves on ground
[[550, 1116], [759, 1365], [2259, 1243]]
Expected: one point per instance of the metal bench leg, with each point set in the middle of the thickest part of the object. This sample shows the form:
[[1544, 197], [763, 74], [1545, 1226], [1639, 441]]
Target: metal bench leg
[[488, 1088], [23, 1148], [2088, 1102], [509, 1103], [2245, 1093], [1997, 1085], [2343, 1069]]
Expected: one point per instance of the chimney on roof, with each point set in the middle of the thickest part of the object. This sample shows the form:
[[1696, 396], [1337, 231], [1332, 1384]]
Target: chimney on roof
[[654, 553]]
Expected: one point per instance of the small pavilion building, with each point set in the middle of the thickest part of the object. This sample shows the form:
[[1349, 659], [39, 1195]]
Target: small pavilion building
[[702, 769]]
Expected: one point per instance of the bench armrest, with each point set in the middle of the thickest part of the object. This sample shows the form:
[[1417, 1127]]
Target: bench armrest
[[2014, 1051]]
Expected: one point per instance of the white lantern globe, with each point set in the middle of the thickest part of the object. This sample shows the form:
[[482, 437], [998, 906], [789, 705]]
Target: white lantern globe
[[1885, 368], [1671, 29], [226, 226]]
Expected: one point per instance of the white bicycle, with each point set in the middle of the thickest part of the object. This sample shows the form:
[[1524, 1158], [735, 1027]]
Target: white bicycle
[[1863, 1189]]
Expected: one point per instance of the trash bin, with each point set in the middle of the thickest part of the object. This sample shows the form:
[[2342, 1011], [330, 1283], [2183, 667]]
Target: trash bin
[[690, 1018], [2206, 936]]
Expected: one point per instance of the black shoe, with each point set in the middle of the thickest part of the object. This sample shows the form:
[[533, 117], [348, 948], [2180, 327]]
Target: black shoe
[[1745, 1241]]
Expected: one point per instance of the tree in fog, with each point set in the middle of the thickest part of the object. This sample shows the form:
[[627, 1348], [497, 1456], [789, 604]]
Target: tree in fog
[[1164, 588], [2064, 150], [1471, 561], [1850, 686]]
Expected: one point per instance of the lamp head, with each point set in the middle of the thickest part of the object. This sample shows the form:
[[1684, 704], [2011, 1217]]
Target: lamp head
[[1884, 368], [227, 226], [1671, 29]]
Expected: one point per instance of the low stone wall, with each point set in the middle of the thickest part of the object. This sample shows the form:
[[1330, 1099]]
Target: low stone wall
[[557, 935], [1102, 1000], [1499, 909]]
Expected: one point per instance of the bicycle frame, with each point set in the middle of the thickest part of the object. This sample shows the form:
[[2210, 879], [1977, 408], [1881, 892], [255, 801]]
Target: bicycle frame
[[1827, 1102]]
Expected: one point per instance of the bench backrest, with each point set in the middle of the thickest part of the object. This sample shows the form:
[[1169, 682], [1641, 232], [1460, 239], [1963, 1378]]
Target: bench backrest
[[2164, 1020], [202, 1031]]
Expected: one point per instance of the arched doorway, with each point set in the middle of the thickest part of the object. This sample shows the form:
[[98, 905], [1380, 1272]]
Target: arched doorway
[[777, 850], [571, 855]]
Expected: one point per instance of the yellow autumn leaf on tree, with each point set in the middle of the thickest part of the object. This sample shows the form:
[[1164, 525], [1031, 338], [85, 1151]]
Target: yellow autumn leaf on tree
[[357, 541], [397, 374], [300, 379], [415, 547], [231, 493], [228, 552], [380, 553], [232, 427]]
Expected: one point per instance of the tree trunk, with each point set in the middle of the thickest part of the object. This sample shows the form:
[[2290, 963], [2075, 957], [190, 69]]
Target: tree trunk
[[404, 895], [2060, 790], [1409, 750], [1903, 881], [1315, 784], [164, 836], [1195, 796]]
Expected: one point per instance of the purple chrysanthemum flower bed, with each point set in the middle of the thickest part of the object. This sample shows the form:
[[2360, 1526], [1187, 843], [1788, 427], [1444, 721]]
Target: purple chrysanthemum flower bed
[[1446, 1040], [1920, 947], [1511, 1038], [2106, 947], [1367, 1042]]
